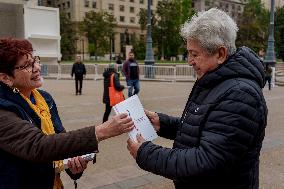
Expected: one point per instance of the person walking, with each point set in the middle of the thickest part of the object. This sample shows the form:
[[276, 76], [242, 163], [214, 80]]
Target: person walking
[[218, 137], [111, 77], [80, 71], [268, 75], [131, 72], [33, 141]]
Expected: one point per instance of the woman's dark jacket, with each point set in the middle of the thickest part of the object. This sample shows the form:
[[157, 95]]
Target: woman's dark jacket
[[218, 139], [116, 82], [26, 154]]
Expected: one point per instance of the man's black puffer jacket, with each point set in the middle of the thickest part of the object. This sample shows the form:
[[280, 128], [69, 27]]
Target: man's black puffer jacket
[[217, 140]]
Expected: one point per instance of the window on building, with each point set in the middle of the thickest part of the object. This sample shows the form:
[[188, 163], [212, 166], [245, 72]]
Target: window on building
[[68, 4], [94, 4], [131, 1], [141, 1], [132, 19], [40, 3], [122, 19], [111, 6], [63, 5], [239, 8], [87, 3], [69, 15], [121, 8], [233, 7], [131, 9], [49, 3], [59, 6]]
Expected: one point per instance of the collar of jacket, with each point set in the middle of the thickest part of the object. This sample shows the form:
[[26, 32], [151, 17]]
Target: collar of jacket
[[14, 102]]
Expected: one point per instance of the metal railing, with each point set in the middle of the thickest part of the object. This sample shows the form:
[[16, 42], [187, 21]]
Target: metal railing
[[95, 71]]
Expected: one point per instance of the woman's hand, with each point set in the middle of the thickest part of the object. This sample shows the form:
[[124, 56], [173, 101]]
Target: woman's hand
[[154, 118], [115, 126], [77, 165]]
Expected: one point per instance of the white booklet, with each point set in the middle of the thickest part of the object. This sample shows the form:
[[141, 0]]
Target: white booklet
[[133, 107]]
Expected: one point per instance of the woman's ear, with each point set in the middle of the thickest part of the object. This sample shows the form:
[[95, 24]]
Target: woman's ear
[[222, 54], [5, 78]]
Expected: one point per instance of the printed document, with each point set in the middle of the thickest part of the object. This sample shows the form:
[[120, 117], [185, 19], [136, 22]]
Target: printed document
[[133, 107]]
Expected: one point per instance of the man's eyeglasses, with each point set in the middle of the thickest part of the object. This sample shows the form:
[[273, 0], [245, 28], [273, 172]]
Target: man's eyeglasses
[[29, 65]]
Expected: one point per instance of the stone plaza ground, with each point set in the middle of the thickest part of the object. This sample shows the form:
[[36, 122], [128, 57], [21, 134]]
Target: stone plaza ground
[[116, 169]]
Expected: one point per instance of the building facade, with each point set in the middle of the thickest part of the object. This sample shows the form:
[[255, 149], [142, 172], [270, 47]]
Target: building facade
[[233, 7], [278, 3], [126, 13]]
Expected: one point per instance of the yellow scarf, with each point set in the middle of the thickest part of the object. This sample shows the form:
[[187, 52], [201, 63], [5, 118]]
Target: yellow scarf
[[42, 110]]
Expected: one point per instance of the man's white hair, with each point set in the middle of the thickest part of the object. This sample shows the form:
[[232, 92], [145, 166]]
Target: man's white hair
[[212, 29]]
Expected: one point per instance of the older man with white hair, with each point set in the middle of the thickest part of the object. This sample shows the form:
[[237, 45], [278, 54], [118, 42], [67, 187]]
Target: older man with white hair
[[218, 138]]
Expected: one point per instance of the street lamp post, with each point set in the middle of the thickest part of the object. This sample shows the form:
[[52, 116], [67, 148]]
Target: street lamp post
[[269, 58], [149, 59]]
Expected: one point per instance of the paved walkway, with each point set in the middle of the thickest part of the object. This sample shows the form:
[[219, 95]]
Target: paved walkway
[[116, 169]]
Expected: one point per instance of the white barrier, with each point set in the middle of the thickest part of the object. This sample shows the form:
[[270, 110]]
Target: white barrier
[[95, 71]]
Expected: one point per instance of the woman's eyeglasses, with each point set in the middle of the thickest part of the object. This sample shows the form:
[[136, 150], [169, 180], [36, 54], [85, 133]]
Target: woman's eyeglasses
[[29, 65]]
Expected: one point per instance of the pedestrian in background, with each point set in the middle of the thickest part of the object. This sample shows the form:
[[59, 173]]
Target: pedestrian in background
[[80, 72], [111, 78], [261, 54], [268, 75], [119, 66], [218, 138], [131, 73]]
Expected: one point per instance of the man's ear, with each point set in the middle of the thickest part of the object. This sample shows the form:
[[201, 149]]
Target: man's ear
[[5, 78], [222, 54]]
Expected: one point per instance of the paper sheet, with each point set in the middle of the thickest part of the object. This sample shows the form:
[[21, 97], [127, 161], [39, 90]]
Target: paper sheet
[[133, 107]]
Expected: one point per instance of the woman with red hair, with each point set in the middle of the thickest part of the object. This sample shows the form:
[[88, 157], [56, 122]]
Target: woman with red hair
[[33, 141]]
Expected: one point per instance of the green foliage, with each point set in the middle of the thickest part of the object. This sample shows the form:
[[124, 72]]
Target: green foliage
[[166, 22], [139, 47], [142, 19], [253, 26], [99, 28], [279, 32], [171, 14], [68, 37]]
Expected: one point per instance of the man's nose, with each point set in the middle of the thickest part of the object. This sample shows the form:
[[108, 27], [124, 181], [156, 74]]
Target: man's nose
[[190, 61]]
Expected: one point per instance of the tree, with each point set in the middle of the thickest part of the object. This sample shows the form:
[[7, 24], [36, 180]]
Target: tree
[[279, 32], [139, 47], [253, 26], [142, 19], [166, 32], [99, 29], [68, 37]]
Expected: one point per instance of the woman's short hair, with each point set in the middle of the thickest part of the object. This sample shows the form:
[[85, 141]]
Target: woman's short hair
[[212, 29], [11, 51]]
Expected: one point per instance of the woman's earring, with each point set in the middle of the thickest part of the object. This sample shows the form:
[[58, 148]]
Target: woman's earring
[[15, 90]]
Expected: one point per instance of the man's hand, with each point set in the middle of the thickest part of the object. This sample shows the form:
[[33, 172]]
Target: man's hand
[[77, 165], [115, 126], [133, 146], [154, 118]]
